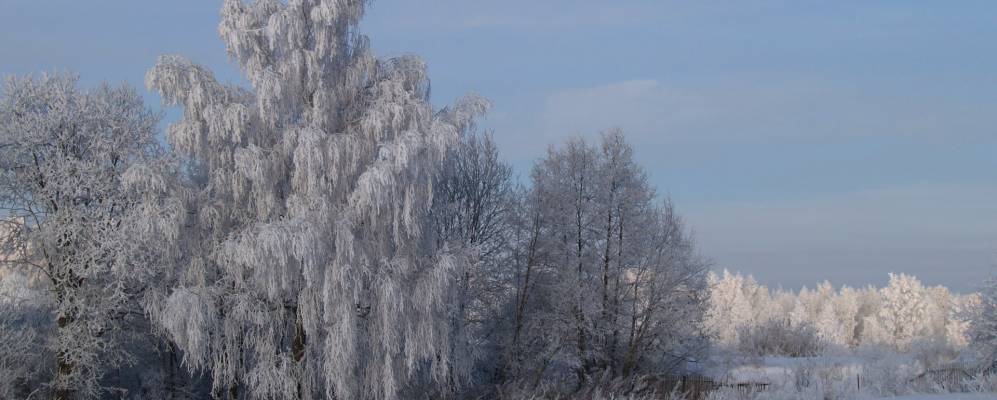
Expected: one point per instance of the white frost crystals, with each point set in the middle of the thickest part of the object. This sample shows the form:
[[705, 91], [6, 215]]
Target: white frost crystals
[[64, 153], [307, 200]]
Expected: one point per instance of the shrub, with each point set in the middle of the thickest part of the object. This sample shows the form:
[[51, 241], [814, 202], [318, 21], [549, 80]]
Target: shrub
[[781, 339]]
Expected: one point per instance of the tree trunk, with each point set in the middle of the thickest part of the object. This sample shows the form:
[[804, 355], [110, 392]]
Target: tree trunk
[[298, 350], [583, 358], [171, 371], [64, 368], [579, 315], [614, 340], [605, 284], [524, 290]]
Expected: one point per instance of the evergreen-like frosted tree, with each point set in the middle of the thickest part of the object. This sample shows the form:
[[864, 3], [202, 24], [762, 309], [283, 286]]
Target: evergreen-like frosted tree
[[311, 270]]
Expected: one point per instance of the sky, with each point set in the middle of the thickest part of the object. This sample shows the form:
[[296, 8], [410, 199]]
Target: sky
[[803, 140]]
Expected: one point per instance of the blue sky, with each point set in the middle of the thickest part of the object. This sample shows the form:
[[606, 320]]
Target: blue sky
[[803, 140]]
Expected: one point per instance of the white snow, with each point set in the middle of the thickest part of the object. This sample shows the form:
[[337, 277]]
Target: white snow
[[948, 396]]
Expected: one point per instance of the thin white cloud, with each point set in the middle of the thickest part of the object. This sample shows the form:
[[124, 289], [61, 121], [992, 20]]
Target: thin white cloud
[[519, 16], [553, 17], [652, 110]]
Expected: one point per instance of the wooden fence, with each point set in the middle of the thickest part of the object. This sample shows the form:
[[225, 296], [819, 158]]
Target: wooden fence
[[699, 387], [696, 387], [950, 379]]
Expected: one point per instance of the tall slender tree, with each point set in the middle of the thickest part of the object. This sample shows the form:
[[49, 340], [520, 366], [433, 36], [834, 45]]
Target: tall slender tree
[[472, 213]]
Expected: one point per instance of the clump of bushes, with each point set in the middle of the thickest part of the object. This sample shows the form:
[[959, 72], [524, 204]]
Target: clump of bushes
[[780, 338]]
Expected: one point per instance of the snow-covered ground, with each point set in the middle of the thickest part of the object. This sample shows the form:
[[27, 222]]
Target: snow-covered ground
[[781, 370], [949, 396], [858, 376]]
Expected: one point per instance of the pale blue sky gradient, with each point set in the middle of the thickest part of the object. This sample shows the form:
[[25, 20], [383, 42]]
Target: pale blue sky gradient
[[804, 140]]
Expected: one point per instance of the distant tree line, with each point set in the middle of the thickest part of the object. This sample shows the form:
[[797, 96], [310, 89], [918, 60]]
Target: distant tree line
[[747, 316]]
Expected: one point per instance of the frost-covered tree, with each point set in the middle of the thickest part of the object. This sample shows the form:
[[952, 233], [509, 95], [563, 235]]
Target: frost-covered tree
[[311, 270], [567, 178], [529, 349], [897, 316], [473, 214], [938, 312], [983, 327], [961, 317], [867, 330], [662, 329], [846, 307], [472, 197], [622, 286], [803, 309], [64, 153], [729, 308], [157, 227], [904, 309], [829, 326]]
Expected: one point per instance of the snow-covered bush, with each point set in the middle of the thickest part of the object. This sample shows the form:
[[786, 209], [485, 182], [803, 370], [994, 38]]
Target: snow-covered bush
[[933, 353], [982, 382], [24, 357], [25, 330], [780, 338]]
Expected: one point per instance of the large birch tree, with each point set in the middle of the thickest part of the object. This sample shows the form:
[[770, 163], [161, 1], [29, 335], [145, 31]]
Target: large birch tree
[[312, 271]]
